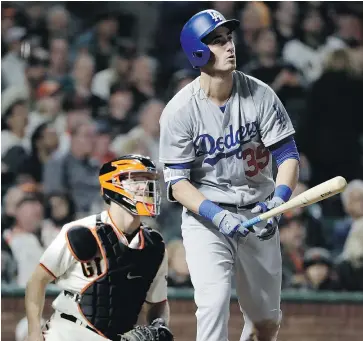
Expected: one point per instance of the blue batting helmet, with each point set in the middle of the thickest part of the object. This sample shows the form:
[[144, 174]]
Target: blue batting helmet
[[197, 28]]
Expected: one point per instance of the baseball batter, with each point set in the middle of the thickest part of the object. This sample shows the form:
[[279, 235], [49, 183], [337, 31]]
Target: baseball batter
[[219, 135], [108, 266]]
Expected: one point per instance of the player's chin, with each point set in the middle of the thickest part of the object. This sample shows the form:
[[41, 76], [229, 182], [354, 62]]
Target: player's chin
[[229, 67], [230, 64]]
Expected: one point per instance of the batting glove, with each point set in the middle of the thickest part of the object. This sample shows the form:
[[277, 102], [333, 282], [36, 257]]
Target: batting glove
[[270, 229], [229, 224]]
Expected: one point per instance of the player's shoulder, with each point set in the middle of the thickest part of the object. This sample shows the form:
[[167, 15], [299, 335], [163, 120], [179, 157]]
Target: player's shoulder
[[89, 221], [182, 99], [249, 80], [152, 234], [252, 85]]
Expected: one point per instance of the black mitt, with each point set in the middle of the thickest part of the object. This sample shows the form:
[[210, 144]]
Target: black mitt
[[157, 331]]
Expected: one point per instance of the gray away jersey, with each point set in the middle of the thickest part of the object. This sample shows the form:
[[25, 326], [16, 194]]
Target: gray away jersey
[[231, 163]]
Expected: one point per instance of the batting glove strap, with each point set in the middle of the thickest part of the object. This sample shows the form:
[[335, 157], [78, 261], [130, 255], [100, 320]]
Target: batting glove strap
[[263, 207], [270, 229], [229, 223]]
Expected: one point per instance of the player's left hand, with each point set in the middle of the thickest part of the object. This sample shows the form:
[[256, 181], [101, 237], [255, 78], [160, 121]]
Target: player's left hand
[[270, 229]]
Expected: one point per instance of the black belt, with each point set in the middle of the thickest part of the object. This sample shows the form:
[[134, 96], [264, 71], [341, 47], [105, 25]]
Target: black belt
[[240, 207], [74, 320], [232, 206], [76, 297]]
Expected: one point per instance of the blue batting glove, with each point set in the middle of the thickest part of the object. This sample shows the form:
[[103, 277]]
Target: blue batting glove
[[229, 224], [270, 229]]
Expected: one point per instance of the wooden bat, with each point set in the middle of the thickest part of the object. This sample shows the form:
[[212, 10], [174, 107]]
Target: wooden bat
[[320, 192]]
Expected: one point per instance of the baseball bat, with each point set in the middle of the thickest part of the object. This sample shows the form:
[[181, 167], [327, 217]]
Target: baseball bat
[[315, 194]]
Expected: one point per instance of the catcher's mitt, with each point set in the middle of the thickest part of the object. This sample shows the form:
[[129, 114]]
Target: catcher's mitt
[[157, 331]]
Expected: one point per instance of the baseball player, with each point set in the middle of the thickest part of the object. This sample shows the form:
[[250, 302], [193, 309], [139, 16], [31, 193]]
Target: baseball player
[[218, 137], [108, 266]]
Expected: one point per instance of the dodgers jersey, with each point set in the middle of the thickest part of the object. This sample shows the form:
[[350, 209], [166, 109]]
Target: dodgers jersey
[[73, 276], [229, 155]]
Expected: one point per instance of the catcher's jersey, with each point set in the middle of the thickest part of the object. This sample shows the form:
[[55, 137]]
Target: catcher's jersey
[[73, 276], [230, 161]]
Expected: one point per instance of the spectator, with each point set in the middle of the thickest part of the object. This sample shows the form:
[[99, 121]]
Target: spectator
[[312, 217], [11, 199], [286, 22], [350, 266], [178, 275], [58, 24], [118, 72], [24, 238], [35, 74], [144, 138], [8, 265], [76, 172], [121, 104], [349, 31], [48, 107], [15, 120], [102, 150], [8, 20], [76, 114], [179, 80], [142, 79], [307, 53], [254, 17], [352, 200], [292, 238], [59, 62], [13, 65], [100, 41], [283, 77], [82, 73], [59, 209], [334, 126], [37, 33], [319, 271], [44, 143], [13, 152]]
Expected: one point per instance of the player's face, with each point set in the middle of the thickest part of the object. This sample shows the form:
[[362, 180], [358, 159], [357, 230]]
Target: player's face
[[139, 186], [221, 45]]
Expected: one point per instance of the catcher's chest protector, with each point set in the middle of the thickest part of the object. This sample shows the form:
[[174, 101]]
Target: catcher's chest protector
[[113, 301]]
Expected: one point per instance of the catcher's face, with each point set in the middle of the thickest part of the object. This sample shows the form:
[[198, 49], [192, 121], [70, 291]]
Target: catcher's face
[[144, 188], [136, 185]]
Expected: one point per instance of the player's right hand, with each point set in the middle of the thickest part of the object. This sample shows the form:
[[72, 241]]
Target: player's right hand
[[35, 337], [230, 223]]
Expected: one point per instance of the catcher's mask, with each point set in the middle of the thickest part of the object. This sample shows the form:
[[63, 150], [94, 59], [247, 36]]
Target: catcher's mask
[[132, 182]]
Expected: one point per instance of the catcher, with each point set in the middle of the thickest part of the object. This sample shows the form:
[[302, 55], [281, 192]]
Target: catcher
[[109, 265]]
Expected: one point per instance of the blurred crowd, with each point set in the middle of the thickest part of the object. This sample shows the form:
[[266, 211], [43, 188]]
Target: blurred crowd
[[81, 85]]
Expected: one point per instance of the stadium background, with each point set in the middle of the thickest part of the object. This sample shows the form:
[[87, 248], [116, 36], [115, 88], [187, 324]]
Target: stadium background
[[82, 82]]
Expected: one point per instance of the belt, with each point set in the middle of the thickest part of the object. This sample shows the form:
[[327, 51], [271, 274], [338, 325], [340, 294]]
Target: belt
[[74, 319], [240, 207], [75, 297]]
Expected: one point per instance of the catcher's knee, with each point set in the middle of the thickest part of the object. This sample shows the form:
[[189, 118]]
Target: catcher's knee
[[266, 330]]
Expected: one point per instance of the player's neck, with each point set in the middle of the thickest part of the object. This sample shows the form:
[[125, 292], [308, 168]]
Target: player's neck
[[218, 88], [123, 220]]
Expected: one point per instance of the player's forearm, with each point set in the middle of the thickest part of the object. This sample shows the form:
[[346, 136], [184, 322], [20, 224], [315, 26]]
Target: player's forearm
[[158, 310], [34, 299], [187, 195], [288, 174]]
